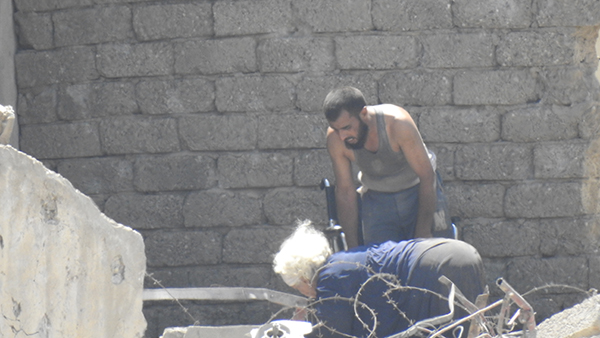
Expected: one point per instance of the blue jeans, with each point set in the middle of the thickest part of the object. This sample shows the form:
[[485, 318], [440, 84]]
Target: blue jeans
[[393, 216]]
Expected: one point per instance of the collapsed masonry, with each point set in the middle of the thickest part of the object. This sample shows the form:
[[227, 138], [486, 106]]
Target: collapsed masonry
[[66, 270]]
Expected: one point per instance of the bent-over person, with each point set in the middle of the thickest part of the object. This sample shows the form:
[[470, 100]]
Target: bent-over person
[[369, 273]]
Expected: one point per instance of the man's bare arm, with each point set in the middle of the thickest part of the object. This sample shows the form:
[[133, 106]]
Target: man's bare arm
[[345, 190], [410, 141]]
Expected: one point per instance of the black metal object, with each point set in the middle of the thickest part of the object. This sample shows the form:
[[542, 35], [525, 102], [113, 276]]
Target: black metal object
[[333, 231]]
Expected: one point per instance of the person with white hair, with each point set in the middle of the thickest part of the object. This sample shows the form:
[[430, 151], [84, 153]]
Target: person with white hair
[[379, 289]]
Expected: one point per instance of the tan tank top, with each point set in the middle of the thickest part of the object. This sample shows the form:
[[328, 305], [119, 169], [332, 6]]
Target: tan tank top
[[384, 170]]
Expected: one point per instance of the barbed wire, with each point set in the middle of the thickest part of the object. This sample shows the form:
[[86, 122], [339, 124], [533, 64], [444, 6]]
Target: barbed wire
[[394, 284]]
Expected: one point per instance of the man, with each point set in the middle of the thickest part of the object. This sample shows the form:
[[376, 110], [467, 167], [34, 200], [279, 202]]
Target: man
[[399, 193], [381, 289]]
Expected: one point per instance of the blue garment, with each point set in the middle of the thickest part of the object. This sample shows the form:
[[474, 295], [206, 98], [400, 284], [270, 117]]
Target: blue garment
[[393, 216], [417, 263]]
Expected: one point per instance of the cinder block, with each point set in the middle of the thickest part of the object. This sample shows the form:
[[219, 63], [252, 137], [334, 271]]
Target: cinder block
[[255, 170], [496, 161], [253, 276], [286, 131], [526, 273], [117, 60], [285, 206], [35, 30], [43, 68], [254, 93], [458, 125], [537, 48], [480, 200], [494, 269], [252, 17], [569, 236], [333, 15], [45, 141], [458, 50], [174, 172], [177, 96], [444, 154], [311, 90], [94, 100], [170, 277], [168, 21], [90, 25], [230, 55], [533, 200], [139, 211], [567, 86], [416, 87], [561, 160], [181, 248], [495, 87], [100, 175], [492, 13], [311, 166], [391, 15], [37, 6], [540, 123], [291, 55], [218, 132], [504, 238], [255, 245], [212, 208], [37, 105], [376, 52], [135, 135], [574, 13]]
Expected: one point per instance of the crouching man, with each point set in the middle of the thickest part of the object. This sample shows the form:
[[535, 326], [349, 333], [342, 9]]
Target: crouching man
[[380, 289]]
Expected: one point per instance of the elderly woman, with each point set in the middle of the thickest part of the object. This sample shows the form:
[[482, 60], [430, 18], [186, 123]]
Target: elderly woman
[[376, 277]]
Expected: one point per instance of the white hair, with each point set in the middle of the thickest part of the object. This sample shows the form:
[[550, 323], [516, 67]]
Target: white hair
[[301, 254]]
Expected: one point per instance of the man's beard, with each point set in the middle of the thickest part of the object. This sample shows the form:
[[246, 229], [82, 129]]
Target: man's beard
[[361, 138]]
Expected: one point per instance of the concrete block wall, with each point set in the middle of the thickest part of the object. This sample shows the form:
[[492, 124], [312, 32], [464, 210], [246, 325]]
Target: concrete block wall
[[198, 123]]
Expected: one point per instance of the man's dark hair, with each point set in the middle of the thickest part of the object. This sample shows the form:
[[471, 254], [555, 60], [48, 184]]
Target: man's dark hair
[[349, 99]]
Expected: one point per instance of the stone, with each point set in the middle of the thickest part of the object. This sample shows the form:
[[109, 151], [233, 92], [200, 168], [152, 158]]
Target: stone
[[218, 132], [166, 21], [46, 141], [67, 270], [416, 87], [7, 122], [202, 56], [333, 16], [116, 60], [89, 25], [48, 67], [495, 87], [376, 52], [252, 17], [287, 131], [291, 55], [392, 15], [458, 50], [139, 134], [492, 13], [496, 161]]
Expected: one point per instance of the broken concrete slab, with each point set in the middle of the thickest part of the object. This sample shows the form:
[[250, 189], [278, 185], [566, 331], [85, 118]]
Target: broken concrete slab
[[580, 321], [66, 270]]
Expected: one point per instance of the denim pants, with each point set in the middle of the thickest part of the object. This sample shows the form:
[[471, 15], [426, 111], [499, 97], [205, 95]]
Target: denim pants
[[393, 216]]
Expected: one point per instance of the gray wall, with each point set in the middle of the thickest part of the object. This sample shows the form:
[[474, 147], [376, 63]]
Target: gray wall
[[198, 123], [8, 85]]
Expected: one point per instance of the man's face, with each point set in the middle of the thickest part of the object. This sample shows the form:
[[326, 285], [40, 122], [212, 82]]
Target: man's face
[[352, 130]]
